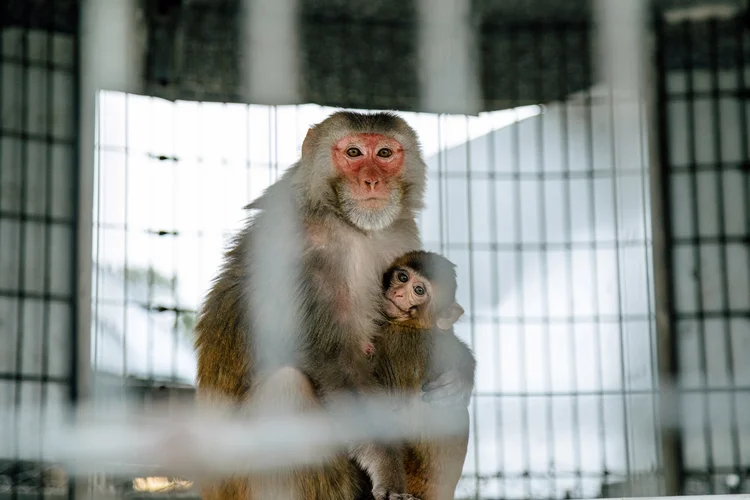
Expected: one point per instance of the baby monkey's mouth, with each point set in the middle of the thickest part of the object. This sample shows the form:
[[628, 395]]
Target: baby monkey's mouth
[[393, 314], [397, 306], [402, 314]]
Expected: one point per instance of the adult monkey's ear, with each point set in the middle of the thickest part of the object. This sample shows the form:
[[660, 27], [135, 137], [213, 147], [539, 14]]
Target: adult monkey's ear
[[449, 316], [309, 143]]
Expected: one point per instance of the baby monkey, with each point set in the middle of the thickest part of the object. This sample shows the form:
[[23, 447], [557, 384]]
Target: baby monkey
[[418, 350]]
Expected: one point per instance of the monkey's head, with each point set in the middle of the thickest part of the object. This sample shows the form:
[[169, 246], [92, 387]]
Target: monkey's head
[[420, 290], [367, 167]]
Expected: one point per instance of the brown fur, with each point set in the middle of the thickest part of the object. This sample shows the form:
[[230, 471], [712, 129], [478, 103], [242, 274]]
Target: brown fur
[[340, 265], [410, 353], [406, 358], [440, 273]]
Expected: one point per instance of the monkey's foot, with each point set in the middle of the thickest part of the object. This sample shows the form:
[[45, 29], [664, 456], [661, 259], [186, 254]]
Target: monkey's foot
[[383, 494]]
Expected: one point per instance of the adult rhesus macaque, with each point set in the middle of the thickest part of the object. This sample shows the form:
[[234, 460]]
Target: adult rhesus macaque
[[352, 198], [416, 345]]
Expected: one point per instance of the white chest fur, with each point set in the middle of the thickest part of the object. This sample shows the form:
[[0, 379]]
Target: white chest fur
[[367, 257]]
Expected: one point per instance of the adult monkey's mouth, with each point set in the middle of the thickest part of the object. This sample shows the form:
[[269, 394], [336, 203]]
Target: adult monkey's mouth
[[374, 201]]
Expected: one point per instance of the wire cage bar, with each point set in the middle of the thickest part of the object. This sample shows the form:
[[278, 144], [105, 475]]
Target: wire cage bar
[[702, 69], [38, 224], [576, 208], [546, 219]]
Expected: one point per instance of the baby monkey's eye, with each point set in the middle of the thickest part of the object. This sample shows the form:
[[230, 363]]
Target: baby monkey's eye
[[353, 152], [419, 290], [385, 153], [403, 277]]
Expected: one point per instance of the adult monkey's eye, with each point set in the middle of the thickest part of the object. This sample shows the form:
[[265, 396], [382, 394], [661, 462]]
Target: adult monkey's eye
[[385, 153], [419, 290], [353, 152], [403, 277]]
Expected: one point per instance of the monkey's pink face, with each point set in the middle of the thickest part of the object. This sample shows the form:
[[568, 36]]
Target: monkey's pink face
[[370, 164], [407, 291]]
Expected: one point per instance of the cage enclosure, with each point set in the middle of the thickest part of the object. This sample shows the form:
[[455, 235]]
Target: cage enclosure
[[588, 173]]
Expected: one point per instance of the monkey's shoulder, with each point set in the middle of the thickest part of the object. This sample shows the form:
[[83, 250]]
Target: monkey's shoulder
[[401, 237]]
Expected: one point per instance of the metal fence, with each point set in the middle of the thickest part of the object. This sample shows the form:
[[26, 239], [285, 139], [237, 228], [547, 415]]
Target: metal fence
[[38, 222], [543, 200], [704, 149]]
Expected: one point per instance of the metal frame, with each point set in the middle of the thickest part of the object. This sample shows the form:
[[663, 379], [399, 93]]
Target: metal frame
[[38, 66], [706, 44]]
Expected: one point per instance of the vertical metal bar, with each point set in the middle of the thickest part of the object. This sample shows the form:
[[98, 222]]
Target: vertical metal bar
[[700, 313], [621, 62], [81, 262], [3, 62], [518, 237], [495, 292], [126, 234], [442, 198], [77, 168], [472, 310], [544, 254], [594, 247], [76, 249], [618, 279], [201, 233], [271, 130], [564, 87], [725, 312], [445, 34], [149, 297], [248, 161], [96, 228], [740, 29], [275, 110], [49, 67], [646, 139], [175, 235], [271, 42], [421, 214], [662, 259], [85, 155], [445, 180], [23, 221]]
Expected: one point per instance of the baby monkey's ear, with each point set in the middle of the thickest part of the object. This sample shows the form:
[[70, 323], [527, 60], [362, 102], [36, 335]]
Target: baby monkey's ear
[[448, 316]]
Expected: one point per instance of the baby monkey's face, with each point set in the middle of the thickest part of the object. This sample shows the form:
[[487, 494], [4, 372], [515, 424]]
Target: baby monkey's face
[[407, 293]]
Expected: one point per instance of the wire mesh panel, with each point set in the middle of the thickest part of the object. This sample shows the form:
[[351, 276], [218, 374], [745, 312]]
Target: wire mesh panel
[[546, 225], [544, 207], [38, 183], [705, 152], [549, 226]]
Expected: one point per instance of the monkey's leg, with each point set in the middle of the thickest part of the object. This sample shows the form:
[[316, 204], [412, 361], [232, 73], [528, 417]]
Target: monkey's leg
[[223, 367], [290, 390], [235, 488], [433, 467]]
